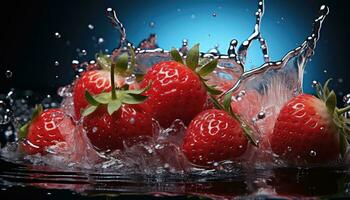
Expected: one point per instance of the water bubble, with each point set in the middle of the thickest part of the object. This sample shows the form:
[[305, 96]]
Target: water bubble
[[91, 62], [289, 148], [132, 120], [340, 80], [109, 9], [215, 164], [346, 99], [261, 115], [151, 24], [193, 16], [83, 52], [57, 35], [75, 62], [312, 153], [56, 76], [94, 129], [100, 40], [315, 84], [56, 63], [325, 71], [5, 113], [8, 74], [213, 14], [179, 10], [90, 26]]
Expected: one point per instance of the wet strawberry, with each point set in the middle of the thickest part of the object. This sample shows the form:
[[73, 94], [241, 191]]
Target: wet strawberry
[[310, 129], [127, 125], [112, 119], [44, 130], [214, 136], [178, 91], [96, 82]]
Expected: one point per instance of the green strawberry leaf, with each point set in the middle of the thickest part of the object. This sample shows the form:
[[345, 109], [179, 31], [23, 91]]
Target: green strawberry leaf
[[89, 110], [113, 106], [211, 89], [193, 57], [208, 68], [331, 102], [216, 103], [325, 89], [140, 91], [343, 144], [130, 98], [227, 102], [121, 64], [104, 61], [23, 131], [102, 98], [176, 56], [90, 99]]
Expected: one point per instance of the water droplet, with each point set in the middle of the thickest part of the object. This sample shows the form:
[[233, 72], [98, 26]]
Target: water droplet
[[315, 84], [132, 120], [215, 164], [109, 9], [261, 115], [289, 148], [83, 52], [57, 35], [151, 24], [240, 146], [56, 76], [214, 14], [312, 153], [57, 63], [100, 40], [130, 79], [340, 80], [193, 16], [75, 62], [49, 193], [325, 71], [94, 129], [90, 26], [8, 74], [5, 113], [179, 10]]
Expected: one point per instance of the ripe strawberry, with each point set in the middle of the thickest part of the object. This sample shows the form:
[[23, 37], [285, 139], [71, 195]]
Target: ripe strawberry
[[214, 136], [310, 129], [108, 132], [95, 82], [178, 91], [111, 119], [44, 130]]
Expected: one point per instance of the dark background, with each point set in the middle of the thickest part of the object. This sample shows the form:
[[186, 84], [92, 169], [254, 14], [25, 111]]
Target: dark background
[[29, 48]]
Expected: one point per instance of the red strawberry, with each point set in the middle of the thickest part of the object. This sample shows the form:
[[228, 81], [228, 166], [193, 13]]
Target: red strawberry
[[108, 132], [214, 136], [95, 82], [111, 120], [310, 130], [177, 91], [44, 130]]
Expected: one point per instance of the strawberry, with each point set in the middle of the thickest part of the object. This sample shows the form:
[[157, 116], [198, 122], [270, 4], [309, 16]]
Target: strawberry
[[112, 118], [95, 82], [44, 130], [178, 91], [310, 129], [216, 135]]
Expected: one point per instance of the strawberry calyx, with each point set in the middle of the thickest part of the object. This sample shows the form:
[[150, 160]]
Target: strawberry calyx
[[193, 63], [23, 131], [342, 123], [226, 106], [118, 96]]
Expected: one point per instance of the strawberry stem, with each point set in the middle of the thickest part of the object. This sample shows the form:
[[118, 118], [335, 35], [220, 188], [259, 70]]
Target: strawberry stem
[[343, 110], [114, 95]]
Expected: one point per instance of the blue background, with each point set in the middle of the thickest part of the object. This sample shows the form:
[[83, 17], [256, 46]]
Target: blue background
[[31, 49]]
